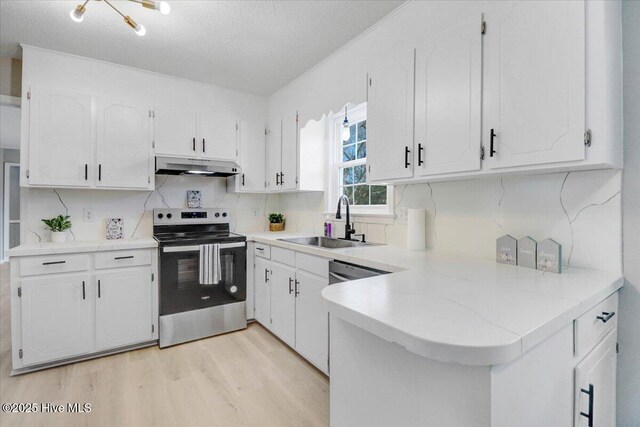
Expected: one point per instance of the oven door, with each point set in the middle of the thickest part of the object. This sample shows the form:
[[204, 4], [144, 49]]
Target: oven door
[[180, 287]]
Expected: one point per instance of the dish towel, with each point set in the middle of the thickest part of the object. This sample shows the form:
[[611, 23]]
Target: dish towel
[[210, 264]]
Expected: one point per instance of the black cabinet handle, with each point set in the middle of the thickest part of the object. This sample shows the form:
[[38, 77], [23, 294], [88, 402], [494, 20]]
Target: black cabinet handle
[[406, 157], [203, 145], [277, 179], [124, 257], [297, 292], [606, 316], [243, 180], [290, 285], [491, 150], [100, 172], [281, 178], [259, 249], [83, 293], [98, 288], [266, 275], [420, 150], [589, 415], [194, 144], [53, 262], [86, 171]]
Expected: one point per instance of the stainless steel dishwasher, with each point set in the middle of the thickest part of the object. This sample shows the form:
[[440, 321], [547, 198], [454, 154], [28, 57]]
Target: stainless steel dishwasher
[[340, 271]]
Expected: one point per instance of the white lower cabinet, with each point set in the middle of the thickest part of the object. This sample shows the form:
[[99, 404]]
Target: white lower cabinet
[[312, 319], [283, 312], [56, 321], [58, 313], [289, 303], [123, 307]]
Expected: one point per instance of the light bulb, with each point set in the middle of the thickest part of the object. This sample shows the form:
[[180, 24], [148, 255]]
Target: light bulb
[[140, 30], [77, 14], [163, 7], [346, 132]]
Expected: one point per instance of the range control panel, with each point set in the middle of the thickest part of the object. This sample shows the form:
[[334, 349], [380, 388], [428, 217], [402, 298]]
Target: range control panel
[[190, 216]]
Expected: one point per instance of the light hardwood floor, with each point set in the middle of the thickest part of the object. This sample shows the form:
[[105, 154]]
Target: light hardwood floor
[[245, 378]]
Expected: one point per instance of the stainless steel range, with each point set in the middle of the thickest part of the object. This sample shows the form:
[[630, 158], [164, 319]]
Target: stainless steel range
[[203, 278]]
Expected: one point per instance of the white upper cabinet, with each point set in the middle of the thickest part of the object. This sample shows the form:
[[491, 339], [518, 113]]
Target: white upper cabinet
[[217, 135], [448, 101], [174, 132], [289, 151], [57, 313], [123, 307], [535, 83], [390, 113], [123, 144], [252, 148], [60, 138]]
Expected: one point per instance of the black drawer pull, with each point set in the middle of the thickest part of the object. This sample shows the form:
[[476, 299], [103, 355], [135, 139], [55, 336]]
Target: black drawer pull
[[203, 145], [243, 179], [124, 257], [290, 285], [259, 249], [83, 293], [589, 415], [53, 262], [86, 171], [266, 275], [606, 316], [491, 150], [194, 144], [98, 288], [99, 172]]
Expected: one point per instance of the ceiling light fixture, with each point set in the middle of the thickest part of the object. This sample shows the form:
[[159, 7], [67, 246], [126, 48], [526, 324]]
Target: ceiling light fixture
[[346, 132], [163, 7]]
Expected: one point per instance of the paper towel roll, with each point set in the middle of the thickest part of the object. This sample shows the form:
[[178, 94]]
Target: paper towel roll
[[416, 229]]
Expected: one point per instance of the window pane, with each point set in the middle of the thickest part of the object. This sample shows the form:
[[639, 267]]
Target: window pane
[[362, 131], [378, 195], [352, 135], [347, 176], [362, 150], [360, 174], [361, 195], [348, 153], [349, 192]]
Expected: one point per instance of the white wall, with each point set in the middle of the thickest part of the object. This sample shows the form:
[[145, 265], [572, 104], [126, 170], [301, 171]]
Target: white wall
[[629, 322]]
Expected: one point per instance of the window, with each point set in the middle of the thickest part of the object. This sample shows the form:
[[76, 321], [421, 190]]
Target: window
[[350, 169]]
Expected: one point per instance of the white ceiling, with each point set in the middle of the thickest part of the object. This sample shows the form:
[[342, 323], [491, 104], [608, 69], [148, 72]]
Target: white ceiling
[[255, 46]]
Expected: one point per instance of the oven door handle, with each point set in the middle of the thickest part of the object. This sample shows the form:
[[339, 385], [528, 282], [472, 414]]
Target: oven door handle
[[193, 248]]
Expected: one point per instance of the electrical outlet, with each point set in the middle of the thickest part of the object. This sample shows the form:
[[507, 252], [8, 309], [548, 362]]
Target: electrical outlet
[[87, 215], [256, 213], [402, 215]]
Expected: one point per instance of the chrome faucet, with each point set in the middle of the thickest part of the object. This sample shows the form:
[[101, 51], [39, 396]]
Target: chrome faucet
[[348, 228]]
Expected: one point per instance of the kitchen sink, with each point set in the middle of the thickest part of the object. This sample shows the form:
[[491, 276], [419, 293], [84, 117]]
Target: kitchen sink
[[327, 243]]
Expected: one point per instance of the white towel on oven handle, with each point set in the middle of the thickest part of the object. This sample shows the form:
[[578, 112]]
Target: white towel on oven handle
[[210, 264]]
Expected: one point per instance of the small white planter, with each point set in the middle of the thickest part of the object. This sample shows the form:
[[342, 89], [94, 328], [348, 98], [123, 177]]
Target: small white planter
[[58, 236]]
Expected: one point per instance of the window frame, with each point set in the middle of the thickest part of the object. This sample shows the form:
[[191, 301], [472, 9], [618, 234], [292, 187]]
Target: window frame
[[356, 113]]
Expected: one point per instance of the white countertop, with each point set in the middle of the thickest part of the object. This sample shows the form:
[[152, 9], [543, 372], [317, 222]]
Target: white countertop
[[71, 246], [452, 309]]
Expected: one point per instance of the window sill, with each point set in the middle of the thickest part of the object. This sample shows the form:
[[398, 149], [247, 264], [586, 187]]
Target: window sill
[[371, 218]]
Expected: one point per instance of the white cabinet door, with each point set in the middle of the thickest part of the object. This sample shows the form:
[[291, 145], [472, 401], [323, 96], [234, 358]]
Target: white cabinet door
[[534, 55], [217, 135], [60, 138], [262, 291], [57, 317], [448, 101], [174, 132], [595, 391], [123, 307], [289, 160], [283, 303], [123, 144], [274, 156], [312, 319], [390, 120], [252, 156]]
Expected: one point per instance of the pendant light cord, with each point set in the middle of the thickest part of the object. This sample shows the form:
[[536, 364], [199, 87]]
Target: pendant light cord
[[114, 8]]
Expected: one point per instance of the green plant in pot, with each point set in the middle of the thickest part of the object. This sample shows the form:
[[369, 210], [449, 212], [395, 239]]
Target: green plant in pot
[[58, 226], [276, 222]]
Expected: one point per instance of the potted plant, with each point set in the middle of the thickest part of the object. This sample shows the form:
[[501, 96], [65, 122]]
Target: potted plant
[[58, 226], [276, 222]]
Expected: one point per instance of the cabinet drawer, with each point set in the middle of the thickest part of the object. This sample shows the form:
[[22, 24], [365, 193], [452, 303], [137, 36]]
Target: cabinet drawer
[[263, 250], [284, 256], [50, 264], [123, 258], [313, 264], [595, 324]]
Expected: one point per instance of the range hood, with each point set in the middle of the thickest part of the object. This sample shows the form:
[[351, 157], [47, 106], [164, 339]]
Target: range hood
[[197, 167]]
